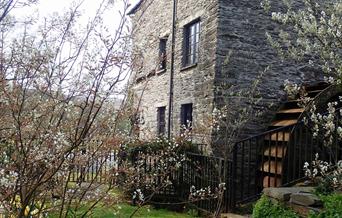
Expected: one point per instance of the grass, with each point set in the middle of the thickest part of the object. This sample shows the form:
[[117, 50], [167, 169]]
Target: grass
[[125, 210]]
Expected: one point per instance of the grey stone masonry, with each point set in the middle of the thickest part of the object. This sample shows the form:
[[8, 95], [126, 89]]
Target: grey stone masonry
[[234, 28], [285, 193], [305, 199], [192, 85], [300, 199]]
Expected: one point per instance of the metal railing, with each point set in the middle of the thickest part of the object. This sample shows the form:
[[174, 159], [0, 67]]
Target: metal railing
[[249, 156], [203, 171], [276, 158], [273, 158]]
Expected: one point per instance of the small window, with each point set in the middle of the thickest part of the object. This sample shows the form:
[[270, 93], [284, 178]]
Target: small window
[[191, 43], [161, 121], [162, 54], [186, 115]]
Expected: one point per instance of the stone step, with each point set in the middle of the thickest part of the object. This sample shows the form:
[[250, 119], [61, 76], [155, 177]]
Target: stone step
[[305, 199], [271, 181], [276, 151], [232, 215], [275, 167], [318, 86], [314, 93], [284, 122], [291, 111], [284, 193], [280, 136]]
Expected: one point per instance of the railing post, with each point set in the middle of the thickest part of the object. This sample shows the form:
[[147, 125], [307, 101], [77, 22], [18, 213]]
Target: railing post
[[233, 186], [180, 182]]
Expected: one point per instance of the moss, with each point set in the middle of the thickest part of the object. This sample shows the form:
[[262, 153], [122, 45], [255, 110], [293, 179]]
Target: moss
[[266, 208]]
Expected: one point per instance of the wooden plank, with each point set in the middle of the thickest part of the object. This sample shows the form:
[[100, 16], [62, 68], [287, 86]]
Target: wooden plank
[[280, 137], [270, 167], [272, 181], [291, 111], [276, 151], [284, 122]]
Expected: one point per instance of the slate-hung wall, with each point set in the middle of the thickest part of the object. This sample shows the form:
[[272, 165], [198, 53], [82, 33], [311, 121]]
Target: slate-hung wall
[[241, 30], [237, 27]]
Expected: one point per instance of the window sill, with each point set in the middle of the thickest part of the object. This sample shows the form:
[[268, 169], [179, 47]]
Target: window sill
[[140, 79], [188, 67], [161, 71]]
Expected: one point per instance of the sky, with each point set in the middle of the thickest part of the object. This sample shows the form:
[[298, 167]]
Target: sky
[[48, 7]]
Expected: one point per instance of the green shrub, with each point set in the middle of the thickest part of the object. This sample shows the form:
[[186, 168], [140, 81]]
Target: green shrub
[[325, 187], [157, 145], [266, 208], [332, 207]]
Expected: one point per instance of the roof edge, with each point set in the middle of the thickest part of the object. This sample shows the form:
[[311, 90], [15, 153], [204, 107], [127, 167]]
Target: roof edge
[[135, 8]]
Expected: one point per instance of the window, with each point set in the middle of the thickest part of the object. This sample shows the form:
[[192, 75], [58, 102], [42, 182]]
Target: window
[[161, 121], [186, 115], [162, 54], [191, 43]]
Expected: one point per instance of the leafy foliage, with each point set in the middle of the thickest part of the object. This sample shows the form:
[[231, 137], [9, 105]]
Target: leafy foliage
[[332, 206], [266, 208]]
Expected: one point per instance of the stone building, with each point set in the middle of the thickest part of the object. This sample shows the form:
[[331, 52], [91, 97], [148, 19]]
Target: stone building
[[181, 50]]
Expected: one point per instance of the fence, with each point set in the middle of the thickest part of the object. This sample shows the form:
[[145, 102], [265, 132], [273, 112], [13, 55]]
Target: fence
[[273, 158], [276, 158], [97, 169], [204, 171]]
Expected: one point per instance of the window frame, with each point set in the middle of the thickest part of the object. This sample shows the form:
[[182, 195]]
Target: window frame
[[161, 121], [162, 58], [186, 114], [192, 34]]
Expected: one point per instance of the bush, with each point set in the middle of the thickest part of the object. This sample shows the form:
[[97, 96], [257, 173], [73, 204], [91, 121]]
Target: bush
[[332, 207], [150, 165], [265, 208], [157, 145]]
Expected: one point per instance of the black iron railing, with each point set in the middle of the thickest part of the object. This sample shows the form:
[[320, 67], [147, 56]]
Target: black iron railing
[[252, 162], [202, 171], [97, 169], [273, 158], [276, 158]]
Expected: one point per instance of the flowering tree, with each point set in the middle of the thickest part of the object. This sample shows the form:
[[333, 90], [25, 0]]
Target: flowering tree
[[59, 87], [6, 6], [326, 175], [162, 166], [311, 32], [314, 35]]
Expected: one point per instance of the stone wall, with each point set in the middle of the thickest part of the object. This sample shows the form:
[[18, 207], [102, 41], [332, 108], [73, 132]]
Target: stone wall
[[236, 28], [151, 22], [241, 33], [193, 85]]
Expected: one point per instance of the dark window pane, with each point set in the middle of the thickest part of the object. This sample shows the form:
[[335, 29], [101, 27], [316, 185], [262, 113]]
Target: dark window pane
[[161, 121], [162, 54], [186, 115], [192, 35]]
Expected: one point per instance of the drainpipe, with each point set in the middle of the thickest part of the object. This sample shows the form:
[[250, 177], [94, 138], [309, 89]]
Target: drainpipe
[[173, 40]]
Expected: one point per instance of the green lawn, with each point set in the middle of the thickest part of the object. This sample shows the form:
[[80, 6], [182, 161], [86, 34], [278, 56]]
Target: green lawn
[[125, 210]]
